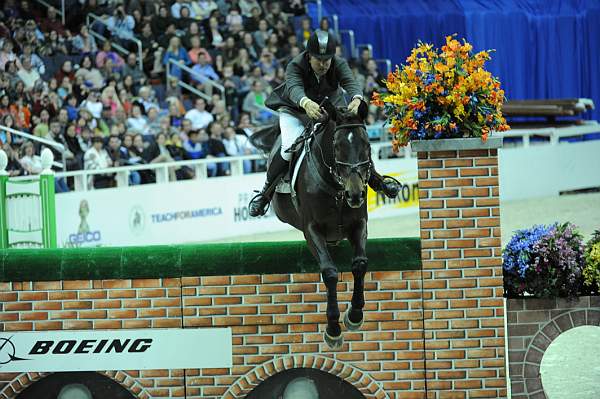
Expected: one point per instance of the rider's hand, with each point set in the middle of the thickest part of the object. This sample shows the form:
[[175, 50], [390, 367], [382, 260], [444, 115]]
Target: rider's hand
[[312, 109], [353, 106]]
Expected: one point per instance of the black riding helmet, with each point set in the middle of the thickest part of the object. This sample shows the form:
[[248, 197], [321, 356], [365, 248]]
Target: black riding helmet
[[321, 45]]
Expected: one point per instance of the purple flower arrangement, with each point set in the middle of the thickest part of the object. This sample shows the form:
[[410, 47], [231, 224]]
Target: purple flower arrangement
[[544, 261]]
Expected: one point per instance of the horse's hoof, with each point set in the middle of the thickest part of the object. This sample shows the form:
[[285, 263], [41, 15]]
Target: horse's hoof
[[334, 343], [350, 326]]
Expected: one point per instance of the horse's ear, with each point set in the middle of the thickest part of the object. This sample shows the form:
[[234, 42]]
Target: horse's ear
[[330, 109], [363, 110]]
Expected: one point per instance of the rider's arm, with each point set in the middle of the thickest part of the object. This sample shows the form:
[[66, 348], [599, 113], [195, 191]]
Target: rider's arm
[[295, 83], [347, 80]]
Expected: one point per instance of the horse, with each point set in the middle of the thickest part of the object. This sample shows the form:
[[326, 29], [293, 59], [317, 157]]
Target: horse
[[330, 203]]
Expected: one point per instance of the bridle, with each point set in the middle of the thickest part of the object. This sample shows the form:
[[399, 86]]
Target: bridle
[[354, 167]]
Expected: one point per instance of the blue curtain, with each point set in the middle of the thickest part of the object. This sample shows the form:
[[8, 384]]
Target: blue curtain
[[544, 48]]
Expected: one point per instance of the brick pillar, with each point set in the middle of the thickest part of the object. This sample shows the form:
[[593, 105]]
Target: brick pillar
[[462, 268]]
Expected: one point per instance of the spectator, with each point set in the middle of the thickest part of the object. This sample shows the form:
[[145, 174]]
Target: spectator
[[177, 53], [121, 25], [111, 101], [96, 158], [158, 152], [175, 147], [107, 54], [120, 157], [196, 50], [193, 148], [31, 163], [242, 63], [146, 98], [21, 113], [261, 36], [216, 148], [42, 125], [254, 103], [54, 45], [91, 75], [198, 115], [275, 15], [5, 136], [131, 68], [229, 49], [14, 166], [305, 30], [93, 104], [247, 6], [365, 56], [203, 8], [27, 74], [214, 37], [234, 19], [251, 23], [36, 61], [176, 114], [52, 23], [204, 71], [325, 26], [7, 55], [191, 31], [137, 121], [267, 64], [84, 43], [4, 104], [237, 145], [73, 146], [178, 5], [160, 23], [185, 19], [249, 45]]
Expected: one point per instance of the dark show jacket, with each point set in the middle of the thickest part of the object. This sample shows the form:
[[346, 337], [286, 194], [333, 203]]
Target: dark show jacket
[[301, 81]]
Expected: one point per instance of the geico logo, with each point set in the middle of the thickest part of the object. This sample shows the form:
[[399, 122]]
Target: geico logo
[[90, 236], [91, 346]]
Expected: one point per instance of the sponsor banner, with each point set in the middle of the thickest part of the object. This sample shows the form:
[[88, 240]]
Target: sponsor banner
[[194, 210], [145, 349]]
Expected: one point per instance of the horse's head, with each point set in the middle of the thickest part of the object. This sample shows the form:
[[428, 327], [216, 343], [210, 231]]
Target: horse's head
[[352, 155]]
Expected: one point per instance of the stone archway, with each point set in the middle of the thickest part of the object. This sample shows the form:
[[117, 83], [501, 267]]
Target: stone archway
[[542, 340], [358, 378], [24, 380]]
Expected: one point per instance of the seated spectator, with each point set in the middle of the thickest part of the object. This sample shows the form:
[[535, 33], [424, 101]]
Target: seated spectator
[[21, 113], [121, 26], [175, 114], [5, 136], [203, 8], [84, 138], [53, 45], [74, 155], [275, 15], [52, 23], [177, 53], [137, 121], [42, 125], [249, 45], [365, 56], [234, 19], [204, 71], [175, 147], [96, 158], [110, 100], [4, 104], [164, 126], [214, 38], [246, 6], [237, 145], [36, 61], [216, 148], [194, 148], [65, 71], [325, 26], [131, 68], [196, 50], [158, 152], [229, 49], [31, 163], [91, 75], [146, 98], [198, 115], [93, 104], [178, 5], [160, 22], [107, 54], [27, 74], [242, 64], [254, 103], [14, 167], [84, 43], [305, 30], [120, 157], [7, 55], [267, 64], [261, 36]]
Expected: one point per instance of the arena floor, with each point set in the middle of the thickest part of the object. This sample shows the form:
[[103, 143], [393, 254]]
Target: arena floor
[[581, 209]]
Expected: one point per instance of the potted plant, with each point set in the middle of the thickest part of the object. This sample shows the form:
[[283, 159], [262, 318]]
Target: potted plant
[[442, 93]]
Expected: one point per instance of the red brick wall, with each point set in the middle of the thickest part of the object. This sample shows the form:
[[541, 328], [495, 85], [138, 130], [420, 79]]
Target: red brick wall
[[462, 264]]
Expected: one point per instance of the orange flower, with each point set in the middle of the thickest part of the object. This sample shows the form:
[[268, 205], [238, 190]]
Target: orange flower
[[376, 99]]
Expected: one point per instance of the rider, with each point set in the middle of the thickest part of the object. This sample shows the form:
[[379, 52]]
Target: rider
[[311, 76]]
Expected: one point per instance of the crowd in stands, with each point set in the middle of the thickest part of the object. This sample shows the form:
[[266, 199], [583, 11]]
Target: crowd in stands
[[61, 83]]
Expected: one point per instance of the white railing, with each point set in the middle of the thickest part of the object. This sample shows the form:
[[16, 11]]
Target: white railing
[[54, 144], [189, 87], [121, 49], [60, 12], [553, 134]]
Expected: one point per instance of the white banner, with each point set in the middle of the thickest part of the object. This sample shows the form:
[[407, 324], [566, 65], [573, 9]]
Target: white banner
[[145, 349], [193, 211]]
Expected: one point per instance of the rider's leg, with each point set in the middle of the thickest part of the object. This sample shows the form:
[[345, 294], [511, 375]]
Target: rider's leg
[[291, 128], [385, 184]]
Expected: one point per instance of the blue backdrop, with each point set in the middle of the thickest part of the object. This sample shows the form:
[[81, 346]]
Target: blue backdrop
[[544, 48]]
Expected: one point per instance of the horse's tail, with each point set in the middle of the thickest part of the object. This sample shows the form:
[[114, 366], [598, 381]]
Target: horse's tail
[[264, 139]]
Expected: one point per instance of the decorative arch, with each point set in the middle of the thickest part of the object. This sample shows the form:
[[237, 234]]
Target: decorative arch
[[542, 340], [359, 378], [24, 380]]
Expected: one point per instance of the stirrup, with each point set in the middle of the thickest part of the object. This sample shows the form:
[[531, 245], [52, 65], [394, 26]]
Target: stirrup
[[266, 207]]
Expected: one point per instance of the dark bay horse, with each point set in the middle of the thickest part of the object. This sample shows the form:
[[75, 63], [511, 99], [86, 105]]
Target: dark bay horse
[[330, 206]]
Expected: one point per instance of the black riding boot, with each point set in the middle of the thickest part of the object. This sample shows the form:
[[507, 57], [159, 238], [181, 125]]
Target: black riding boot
[[258, 204], [385, 184]]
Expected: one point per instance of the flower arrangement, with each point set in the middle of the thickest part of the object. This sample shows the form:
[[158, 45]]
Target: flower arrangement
[[442, 94], [591, 272], [544, 261]]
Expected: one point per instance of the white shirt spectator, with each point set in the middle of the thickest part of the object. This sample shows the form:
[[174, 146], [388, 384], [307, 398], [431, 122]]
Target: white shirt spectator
[[237, 145], [94, 106], [247, 5], [29, 77], [32, 164], [139, 125], [200, 119], [203, 8], [121, 27], [96, 159]]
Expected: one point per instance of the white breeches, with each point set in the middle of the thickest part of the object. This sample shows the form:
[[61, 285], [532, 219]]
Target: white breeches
[[291, 128]]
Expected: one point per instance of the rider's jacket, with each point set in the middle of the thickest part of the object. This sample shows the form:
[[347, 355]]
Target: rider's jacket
[[300, 81]]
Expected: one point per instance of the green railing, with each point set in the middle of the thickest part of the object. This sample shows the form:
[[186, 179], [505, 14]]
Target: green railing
[[173, 261]]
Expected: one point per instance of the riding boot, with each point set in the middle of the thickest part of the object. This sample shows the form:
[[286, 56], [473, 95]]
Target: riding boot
[[258, 204], [389, 186]]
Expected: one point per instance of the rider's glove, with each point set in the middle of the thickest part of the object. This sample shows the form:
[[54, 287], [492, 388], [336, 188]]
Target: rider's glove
[[312, 108]]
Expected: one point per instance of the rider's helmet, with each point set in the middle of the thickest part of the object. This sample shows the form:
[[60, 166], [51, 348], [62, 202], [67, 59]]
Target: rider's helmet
[[321, 45]]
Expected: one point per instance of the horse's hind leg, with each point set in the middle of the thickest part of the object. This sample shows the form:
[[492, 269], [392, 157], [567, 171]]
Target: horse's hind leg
[[318, 246], [353, 319]]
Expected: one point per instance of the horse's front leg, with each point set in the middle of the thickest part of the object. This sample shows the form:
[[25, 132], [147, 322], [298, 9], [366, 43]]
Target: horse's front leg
[[318, 246], [353, 319]]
